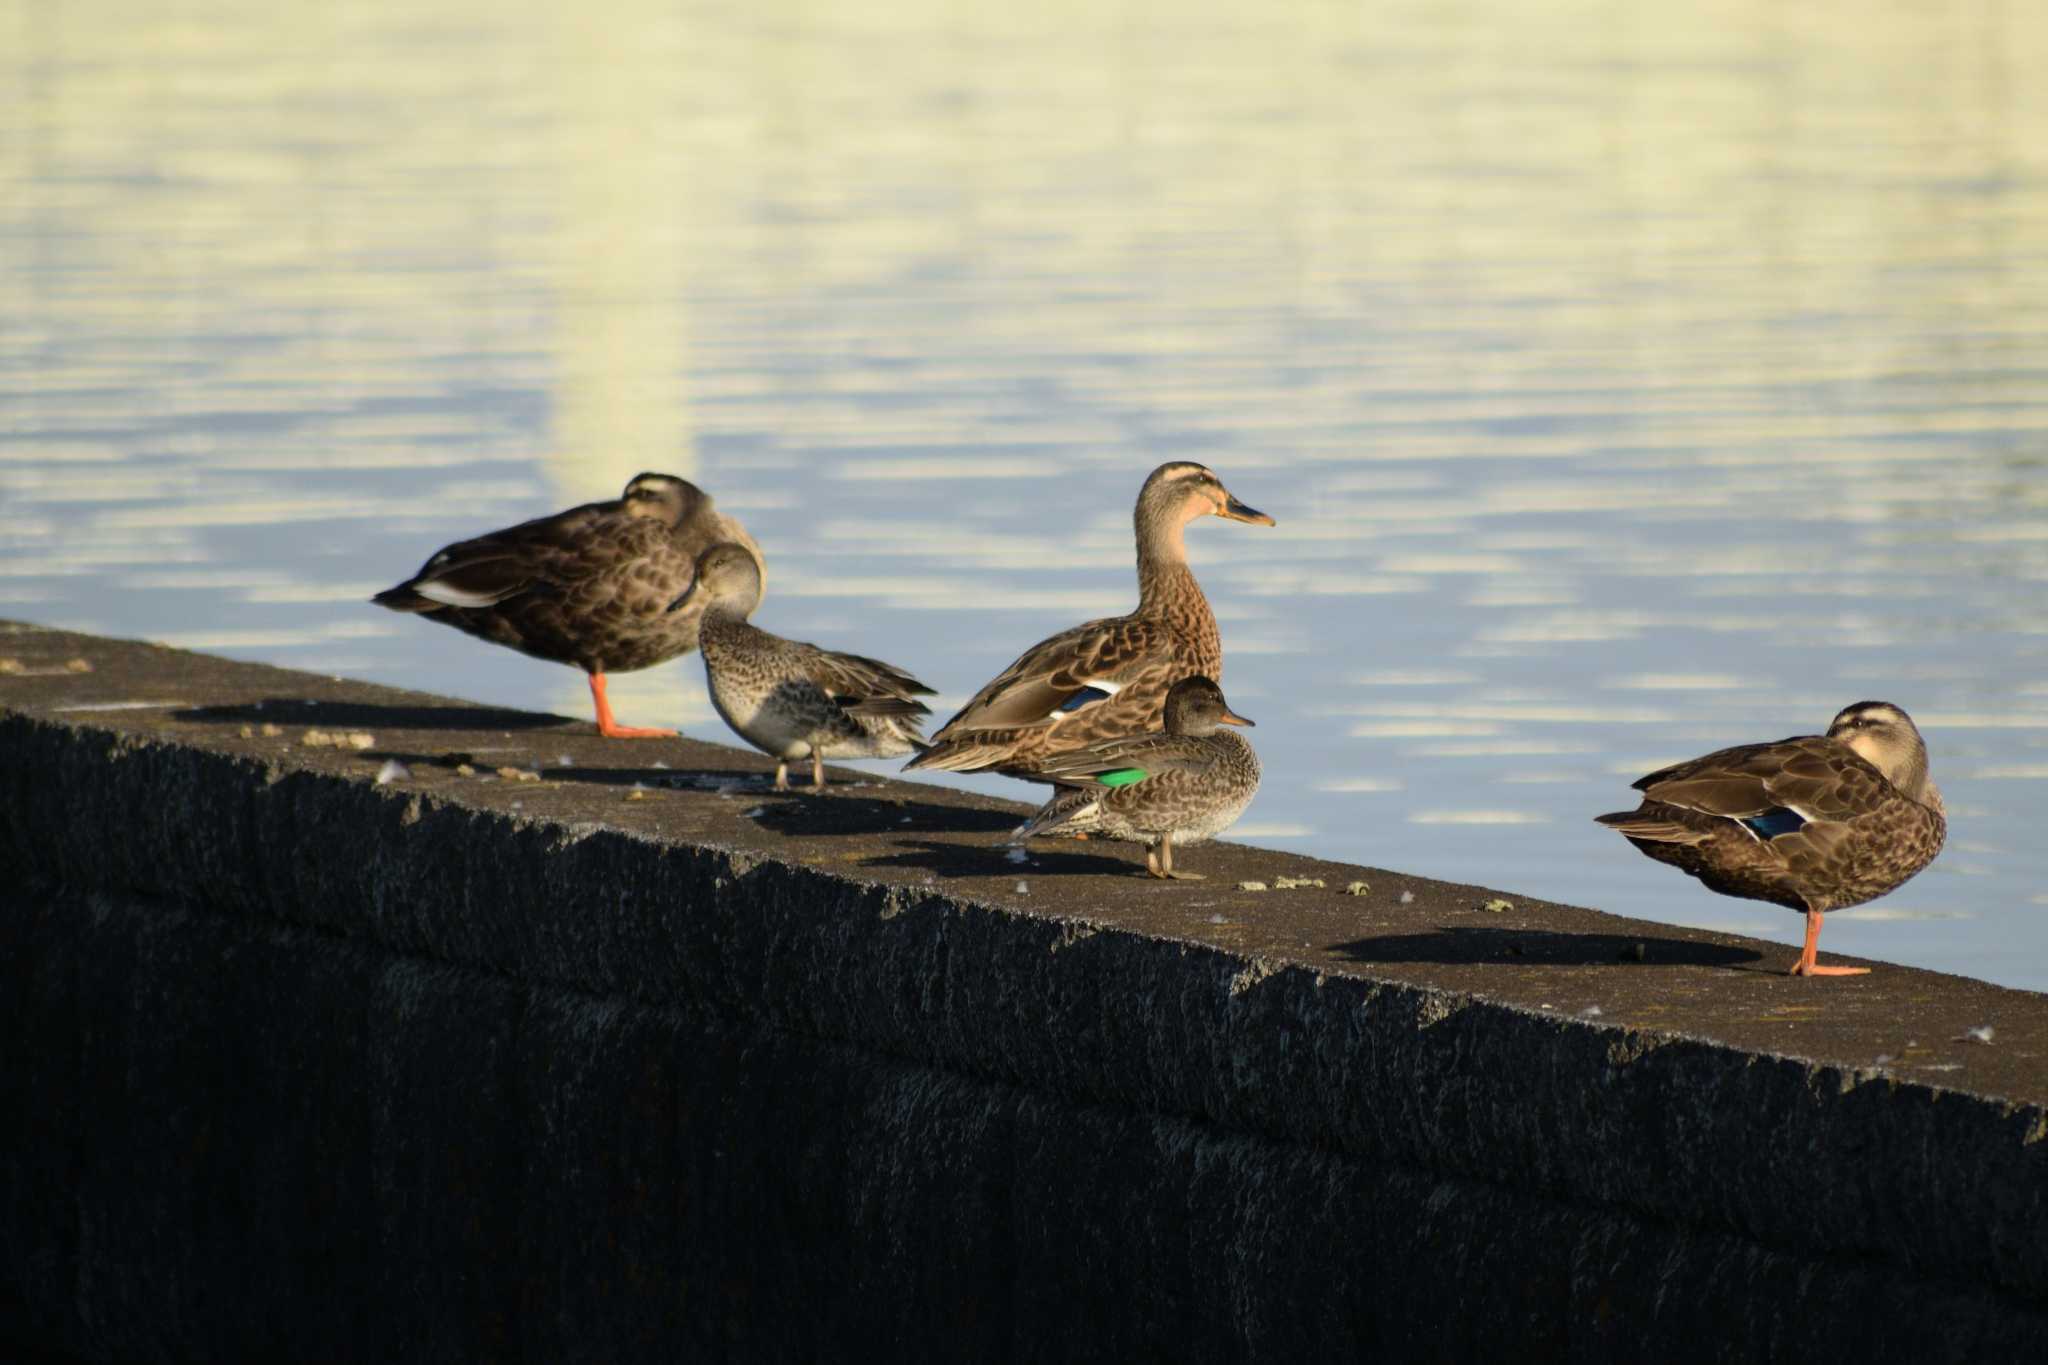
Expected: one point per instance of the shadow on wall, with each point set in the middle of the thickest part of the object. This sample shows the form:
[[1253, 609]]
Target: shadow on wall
[[359, 715], [1543, 948]]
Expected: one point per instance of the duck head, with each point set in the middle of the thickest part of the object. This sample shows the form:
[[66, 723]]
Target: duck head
[[726, 578], [1885, 737], [1179, 491], [664, 497], [1196, 707]]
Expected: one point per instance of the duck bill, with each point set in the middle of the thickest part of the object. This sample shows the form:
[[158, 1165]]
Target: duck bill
[[1234, 510], [683, 600], [1231, 717]]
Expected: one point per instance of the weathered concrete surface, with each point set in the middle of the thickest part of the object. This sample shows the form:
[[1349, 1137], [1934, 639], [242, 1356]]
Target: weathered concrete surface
[[299, 1065]]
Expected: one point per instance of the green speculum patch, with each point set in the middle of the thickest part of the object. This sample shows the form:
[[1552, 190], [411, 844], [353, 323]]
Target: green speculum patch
[[1121, 777]]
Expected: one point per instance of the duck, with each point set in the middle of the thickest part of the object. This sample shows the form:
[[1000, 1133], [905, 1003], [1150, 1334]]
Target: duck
[[590, 586], [1182, 785], [1105, 679], [1814, 823], [789, 699]]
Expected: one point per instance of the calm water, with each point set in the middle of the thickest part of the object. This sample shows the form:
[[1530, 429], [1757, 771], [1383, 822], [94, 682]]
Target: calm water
[[1626, 382]]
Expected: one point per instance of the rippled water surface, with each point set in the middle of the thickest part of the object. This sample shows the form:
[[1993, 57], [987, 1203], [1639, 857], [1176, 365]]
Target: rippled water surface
[[1627, 381]]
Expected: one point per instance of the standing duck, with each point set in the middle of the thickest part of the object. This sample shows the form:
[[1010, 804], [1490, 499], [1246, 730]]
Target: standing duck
[[788, 699], [1109, 678], [590, 586], [1187, 783], [1815, 822]]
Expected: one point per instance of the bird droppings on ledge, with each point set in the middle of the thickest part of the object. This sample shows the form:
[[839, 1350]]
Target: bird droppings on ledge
[[11, 667], [338, 739]]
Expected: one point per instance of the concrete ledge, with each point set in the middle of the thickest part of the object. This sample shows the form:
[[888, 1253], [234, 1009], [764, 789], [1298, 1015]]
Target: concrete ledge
[[311, 1066]]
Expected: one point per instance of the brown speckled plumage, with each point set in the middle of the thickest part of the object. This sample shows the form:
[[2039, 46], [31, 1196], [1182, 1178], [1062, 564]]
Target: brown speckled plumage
[[1019, 719], [789, 699], [1178, 786], [1814, 823], [589, 586]]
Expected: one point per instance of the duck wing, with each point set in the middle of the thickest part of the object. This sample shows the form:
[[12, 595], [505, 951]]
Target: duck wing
[[549, 553], [1124, 762], [1810, 776], [1065, 673], [861, 686]]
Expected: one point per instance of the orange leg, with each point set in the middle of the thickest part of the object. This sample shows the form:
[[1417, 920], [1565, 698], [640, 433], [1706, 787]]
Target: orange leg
[[610, 728], [1806, 966]]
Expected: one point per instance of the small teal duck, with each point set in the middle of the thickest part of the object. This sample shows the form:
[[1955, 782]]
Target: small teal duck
[[590, 586], [1186, 783], [788, 699], [1815, 822], [1105, 679]]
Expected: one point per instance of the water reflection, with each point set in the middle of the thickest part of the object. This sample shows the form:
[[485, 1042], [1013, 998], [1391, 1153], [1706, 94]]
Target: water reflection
[[1671, 391]]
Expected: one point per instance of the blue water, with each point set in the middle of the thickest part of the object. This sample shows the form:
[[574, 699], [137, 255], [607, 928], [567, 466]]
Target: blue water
[[1670, 391]]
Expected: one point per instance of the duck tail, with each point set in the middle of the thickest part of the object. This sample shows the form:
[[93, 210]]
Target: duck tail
[[403, 598], [957, 756], [1653, 825], [1067, 813]]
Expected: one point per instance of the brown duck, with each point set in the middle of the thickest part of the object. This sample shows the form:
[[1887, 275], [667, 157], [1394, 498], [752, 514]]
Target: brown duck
[[1104, 679], [1815, 822], [590, 586], [1181, 785], [789, 699]]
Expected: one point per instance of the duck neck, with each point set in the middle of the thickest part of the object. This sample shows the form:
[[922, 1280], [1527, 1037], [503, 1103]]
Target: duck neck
[[1162, 556], [1911, 778], [722, 620], [1929, 796], [1167, 587]]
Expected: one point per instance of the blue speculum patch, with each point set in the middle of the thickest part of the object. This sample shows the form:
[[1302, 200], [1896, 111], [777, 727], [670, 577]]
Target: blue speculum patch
[[1121, 777], [1087, 696], [1772, 823]]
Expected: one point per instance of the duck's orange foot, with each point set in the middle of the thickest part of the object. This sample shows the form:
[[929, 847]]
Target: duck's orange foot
[[610, 728], [616, 731], [1806, 966]]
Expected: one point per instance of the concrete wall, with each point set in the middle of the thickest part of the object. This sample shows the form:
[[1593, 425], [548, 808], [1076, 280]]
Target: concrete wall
[[300, 1066]]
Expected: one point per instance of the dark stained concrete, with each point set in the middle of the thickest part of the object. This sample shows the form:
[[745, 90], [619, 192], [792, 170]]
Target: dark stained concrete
[[633, 1061]]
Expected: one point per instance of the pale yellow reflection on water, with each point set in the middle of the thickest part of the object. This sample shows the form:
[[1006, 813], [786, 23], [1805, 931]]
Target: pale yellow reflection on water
[[1626, 380]]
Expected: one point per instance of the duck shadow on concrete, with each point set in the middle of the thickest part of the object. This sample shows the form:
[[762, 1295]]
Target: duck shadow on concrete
[[295, 712], [991, 861], [721, 781], [805, 814], [1543, 948]]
